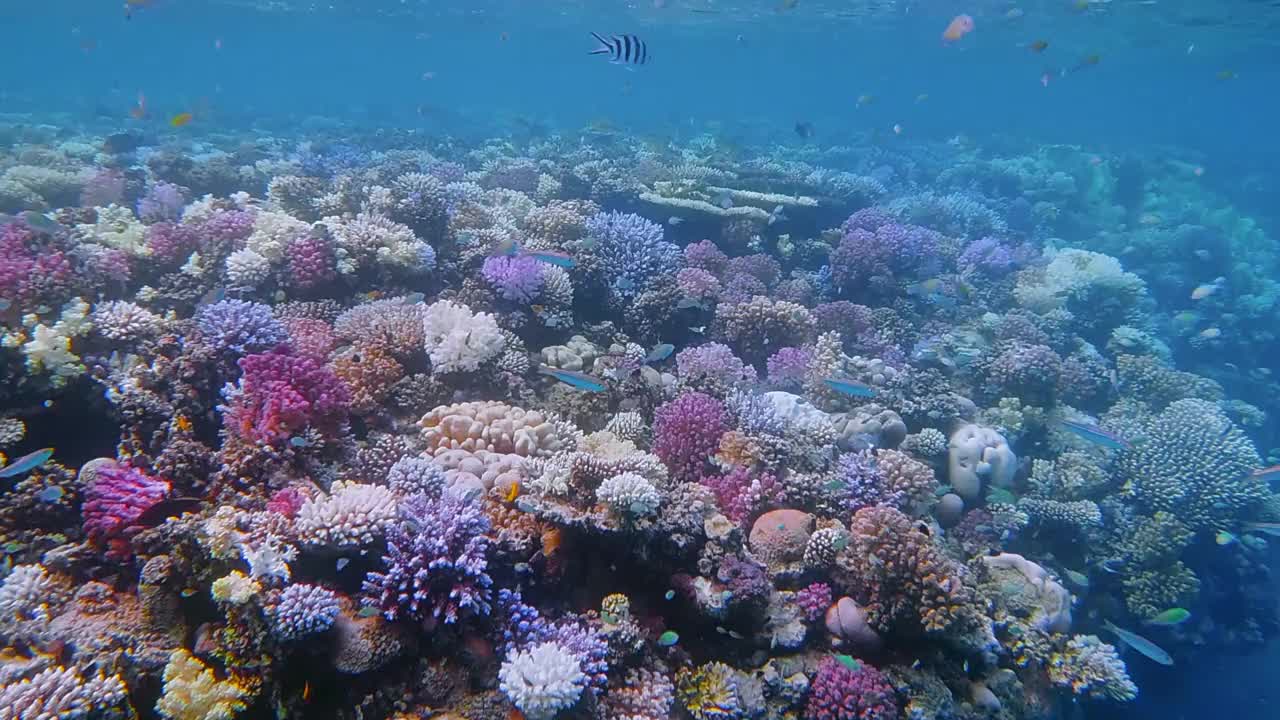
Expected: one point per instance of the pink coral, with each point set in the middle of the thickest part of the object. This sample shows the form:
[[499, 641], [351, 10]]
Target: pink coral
[[28, 274], [310, 338], [686, 432], [814, 599], [281, 395], [839, 692], [311, 262], [743, 494], [114, 501], [697, 284], [706, 256], [170, 244]]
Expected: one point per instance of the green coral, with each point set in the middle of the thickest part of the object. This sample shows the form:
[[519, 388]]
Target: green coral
[[1155, 578], [1192, 461]]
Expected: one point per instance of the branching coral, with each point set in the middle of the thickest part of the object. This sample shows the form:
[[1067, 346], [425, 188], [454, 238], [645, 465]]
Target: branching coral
[[686, 432], [457, 339], [193, 692], [279, 396], [839, 692]]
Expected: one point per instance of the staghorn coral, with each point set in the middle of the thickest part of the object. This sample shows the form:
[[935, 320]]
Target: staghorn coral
[[686, 431], [302, 610], [63, 693], [435, 563], [351, 515]]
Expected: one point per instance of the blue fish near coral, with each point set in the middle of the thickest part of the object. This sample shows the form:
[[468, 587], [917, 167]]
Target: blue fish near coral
[[850, 387], [1096, 435], [27, 463], [582, 381], [550, 257], [660, 353]]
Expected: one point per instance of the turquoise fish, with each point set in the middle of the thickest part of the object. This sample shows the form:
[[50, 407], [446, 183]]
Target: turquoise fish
[[551, 257], [668, 638], [27, 463], [1139, 643], [660, 353], [1096, 435], [582, 381], [1170, 617], [850, 387]]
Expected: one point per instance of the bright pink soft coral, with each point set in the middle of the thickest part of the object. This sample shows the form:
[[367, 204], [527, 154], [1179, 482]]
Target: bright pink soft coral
[[114, 500], [686, 431], [311, 262], [280, 395], [743, 494], [839, 692]]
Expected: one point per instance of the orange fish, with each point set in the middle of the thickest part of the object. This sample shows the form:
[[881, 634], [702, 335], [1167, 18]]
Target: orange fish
[[181, 119], [512, 493], [962, 25]]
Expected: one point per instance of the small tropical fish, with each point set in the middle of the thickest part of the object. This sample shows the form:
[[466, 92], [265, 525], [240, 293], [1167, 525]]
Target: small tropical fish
[[804, 129], [670, 595], [1224, 538], [368, 611], [778, 215], [1269, 473], [1139, 643], [299, 442], [850, 387], [1077, 578], [1096, 435], [897, 129], [1037, 46], [1170, 617], [181, 119], [582, 381], [668, 638], [51, 494], [1150, 219], [674, 220], [39, 221], [960, 26], [864, 100], [342, 563], [512, 493], [1205, 290], [622, 49], [551, 257], [1087, 61], [165, 509], [1210, 333], [26, 463], [659, 353], [188, 592], [1226, 75], [551, 541]]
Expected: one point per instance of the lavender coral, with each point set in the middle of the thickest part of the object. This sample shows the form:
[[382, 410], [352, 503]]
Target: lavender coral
[[632, 252], [436, 562], [686, 431], [239, 327], [518, 278]]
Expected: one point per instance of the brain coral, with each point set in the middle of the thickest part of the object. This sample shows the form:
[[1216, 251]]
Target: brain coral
[[1192, 461]]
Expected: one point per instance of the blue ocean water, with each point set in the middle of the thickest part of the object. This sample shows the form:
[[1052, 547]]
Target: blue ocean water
[[1186, 81]]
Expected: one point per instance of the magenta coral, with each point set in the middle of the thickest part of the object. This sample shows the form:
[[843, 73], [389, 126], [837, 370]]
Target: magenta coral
[[169, 243], [686, 432], [789, 366], [29, 275], [114, 501], [839, 692], [311, 262], [743, 494], [697, 284], [281, 395], [310, 337], [813, 600], [704, 255]]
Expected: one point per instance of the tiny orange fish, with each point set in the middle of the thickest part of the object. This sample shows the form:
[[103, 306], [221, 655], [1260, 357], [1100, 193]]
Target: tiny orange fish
[[181, 119], [962, 25], [306, 691], [182, 423], [513, 492]]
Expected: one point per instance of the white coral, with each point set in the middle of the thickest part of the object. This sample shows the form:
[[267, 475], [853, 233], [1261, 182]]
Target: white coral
[[27, 593], [374, 239], [60, 692], [247, 269], [124, 321], [272, 233], [268, 558], [629, 494], [353, 514], [458, 339], [116, 227], [1072, 273], [542, 681]]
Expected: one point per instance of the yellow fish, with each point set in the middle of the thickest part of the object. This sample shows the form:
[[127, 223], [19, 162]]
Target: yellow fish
[[181, 119]]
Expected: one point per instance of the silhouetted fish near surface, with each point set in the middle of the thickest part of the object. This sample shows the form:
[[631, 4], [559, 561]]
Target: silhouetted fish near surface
[[622, 49]]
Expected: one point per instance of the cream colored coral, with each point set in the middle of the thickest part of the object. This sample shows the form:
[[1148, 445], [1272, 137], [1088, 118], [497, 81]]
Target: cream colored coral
[[116, 227], [496, 427], [352, 514], [193, 692], [272, 233], [235, 588], [457, 339]]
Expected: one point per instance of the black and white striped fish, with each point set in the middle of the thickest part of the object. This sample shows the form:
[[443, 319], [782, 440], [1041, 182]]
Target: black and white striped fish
[[623, 49]]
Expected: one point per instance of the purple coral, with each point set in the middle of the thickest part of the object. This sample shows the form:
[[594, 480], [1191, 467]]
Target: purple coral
[[686, 431], [987, 255], [632, 251], [813, 600], [281, 395], [239, 326], [704, 255], [697, 284], [746, 580], [303, 610], [789, 366], [714, 362], [114, 500], [169, 243], [839, 692], [861, 484], [518, 278], [743, 494], [760, 266], [874, 246], [311, 262], [162, 203], [226, 228], [30, 274], [436, 562]]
